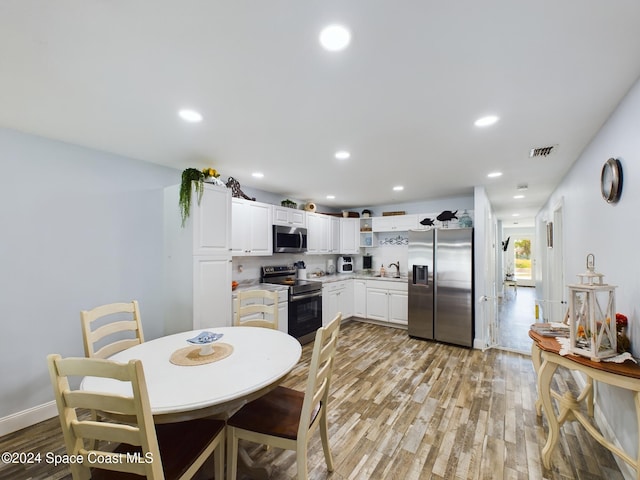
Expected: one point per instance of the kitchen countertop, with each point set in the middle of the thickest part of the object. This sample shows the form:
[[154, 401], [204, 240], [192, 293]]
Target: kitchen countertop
[[337, 277]]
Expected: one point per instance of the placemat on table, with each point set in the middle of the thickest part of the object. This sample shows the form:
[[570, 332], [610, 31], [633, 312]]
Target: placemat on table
[[189, 356]]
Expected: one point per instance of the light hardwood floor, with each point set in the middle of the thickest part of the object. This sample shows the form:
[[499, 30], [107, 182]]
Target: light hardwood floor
[[516, 312], [406, 409]]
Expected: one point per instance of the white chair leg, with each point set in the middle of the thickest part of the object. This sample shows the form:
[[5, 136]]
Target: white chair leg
[[324, 435], [218, 456], [232, 454], [301, 460]]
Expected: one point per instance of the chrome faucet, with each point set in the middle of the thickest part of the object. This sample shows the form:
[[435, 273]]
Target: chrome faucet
[[397, 265]]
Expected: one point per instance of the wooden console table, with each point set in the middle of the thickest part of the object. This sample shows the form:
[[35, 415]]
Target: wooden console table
[[546, 360]]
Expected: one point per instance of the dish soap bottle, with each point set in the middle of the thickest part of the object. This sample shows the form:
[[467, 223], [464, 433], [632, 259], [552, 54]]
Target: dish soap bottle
[[382, 271]]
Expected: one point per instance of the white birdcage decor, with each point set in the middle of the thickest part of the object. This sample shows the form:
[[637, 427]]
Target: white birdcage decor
[[592, 318]]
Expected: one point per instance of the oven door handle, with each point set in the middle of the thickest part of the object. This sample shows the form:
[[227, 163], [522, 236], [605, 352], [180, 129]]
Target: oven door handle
[[295, 298]]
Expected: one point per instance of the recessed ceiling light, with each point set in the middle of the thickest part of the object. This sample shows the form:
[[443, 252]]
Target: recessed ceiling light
[[335, 38], [518, 196], [190, 116], [515, 215], [257, 174], [494, 174], [486, 121], [398, 188], [342, 155], [331, 197]]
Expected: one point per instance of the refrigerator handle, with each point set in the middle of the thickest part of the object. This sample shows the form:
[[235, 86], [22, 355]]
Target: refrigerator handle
[[421, 275]]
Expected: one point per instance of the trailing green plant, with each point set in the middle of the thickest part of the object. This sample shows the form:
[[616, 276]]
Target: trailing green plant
[[190, 175]]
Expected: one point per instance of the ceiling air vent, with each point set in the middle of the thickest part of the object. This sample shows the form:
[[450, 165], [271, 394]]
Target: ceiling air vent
[[541, 151]]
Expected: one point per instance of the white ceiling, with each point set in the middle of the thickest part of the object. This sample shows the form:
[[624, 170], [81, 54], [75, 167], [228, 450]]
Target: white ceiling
[[402, 98]]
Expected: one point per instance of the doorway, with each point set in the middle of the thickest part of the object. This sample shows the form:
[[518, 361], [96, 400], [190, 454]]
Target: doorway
[[516, 313], [522, 260], [516, 308]]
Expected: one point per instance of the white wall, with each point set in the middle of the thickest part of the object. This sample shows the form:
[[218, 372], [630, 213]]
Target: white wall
[[611, 233], [79, 228], [485, 240]]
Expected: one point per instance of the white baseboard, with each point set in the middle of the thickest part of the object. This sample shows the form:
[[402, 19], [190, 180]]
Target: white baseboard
[[601, 421], [627, 472], [26, 418]]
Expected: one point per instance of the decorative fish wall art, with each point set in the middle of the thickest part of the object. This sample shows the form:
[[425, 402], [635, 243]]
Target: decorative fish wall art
[[442, 219], [447, 216]]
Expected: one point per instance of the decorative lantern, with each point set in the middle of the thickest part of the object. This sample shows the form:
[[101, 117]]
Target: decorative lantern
[[592, 318]]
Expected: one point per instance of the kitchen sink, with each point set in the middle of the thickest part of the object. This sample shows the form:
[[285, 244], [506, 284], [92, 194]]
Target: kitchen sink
[[394, 277]]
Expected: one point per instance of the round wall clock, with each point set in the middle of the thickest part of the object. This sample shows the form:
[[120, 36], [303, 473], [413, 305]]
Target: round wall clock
[[611, 180]]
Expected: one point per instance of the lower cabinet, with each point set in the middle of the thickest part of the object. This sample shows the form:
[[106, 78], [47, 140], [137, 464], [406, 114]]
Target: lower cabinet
[[387, 301], [337, 297], [283, 309], [360, 298], [211, 276]]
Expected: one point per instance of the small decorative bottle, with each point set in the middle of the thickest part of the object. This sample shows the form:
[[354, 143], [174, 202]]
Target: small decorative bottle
[[382, 271], [465, 220]]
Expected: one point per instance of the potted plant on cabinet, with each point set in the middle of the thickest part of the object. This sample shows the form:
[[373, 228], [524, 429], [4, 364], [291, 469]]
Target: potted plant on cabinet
[[190, 175]]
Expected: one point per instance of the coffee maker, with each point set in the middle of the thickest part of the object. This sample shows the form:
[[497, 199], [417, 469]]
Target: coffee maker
[[367, 262]]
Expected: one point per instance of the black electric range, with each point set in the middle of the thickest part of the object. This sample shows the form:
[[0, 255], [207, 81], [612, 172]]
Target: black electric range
[[305, 300]]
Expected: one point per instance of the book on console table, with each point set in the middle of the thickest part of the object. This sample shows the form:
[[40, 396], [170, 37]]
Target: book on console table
[[552, 329]]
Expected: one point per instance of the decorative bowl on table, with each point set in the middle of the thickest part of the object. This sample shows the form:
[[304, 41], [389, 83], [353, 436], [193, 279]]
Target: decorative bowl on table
[[205, 341]]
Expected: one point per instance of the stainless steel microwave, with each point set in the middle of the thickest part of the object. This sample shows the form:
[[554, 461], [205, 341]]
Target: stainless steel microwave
[[289, 239]]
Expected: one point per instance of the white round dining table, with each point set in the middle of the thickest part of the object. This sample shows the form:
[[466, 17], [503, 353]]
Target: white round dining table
[[260, 360]]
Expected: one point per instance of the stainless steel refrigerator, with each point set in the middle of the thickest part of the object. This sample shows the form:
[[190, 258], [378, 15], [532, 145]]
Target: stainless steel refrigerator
[[441, 293]]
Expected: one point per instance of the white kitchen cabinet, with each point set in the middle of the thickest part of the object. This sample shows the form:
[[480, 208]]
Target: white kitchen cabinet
[[318, 233], [289, 217], [346, 304], [211, 274], [251, 232], [360, 298], [377, 304], [337, 297], [387, 301], [323, 234], [393, 223], [209, 220], [334, 235], [398, 307], [197, 261], [349, 236]]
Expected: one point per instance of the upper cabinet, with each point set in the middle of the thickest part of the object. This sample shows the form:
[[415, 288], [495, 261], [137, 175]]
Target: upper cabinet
[[251, 232], [392, 223], [349, 236], [210, 220], [289, 216], [318, 233], [329, 234], [334, 235]]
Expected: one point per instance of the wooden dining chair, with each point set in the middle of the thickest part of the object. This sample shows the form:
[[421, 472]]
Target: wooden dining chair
[[263, 312], [103, 338], [286, 418], [167, 451]]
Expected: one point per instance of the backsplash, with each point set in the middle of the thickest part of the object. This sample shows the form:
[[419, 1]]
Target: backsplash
[[247, 269]]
